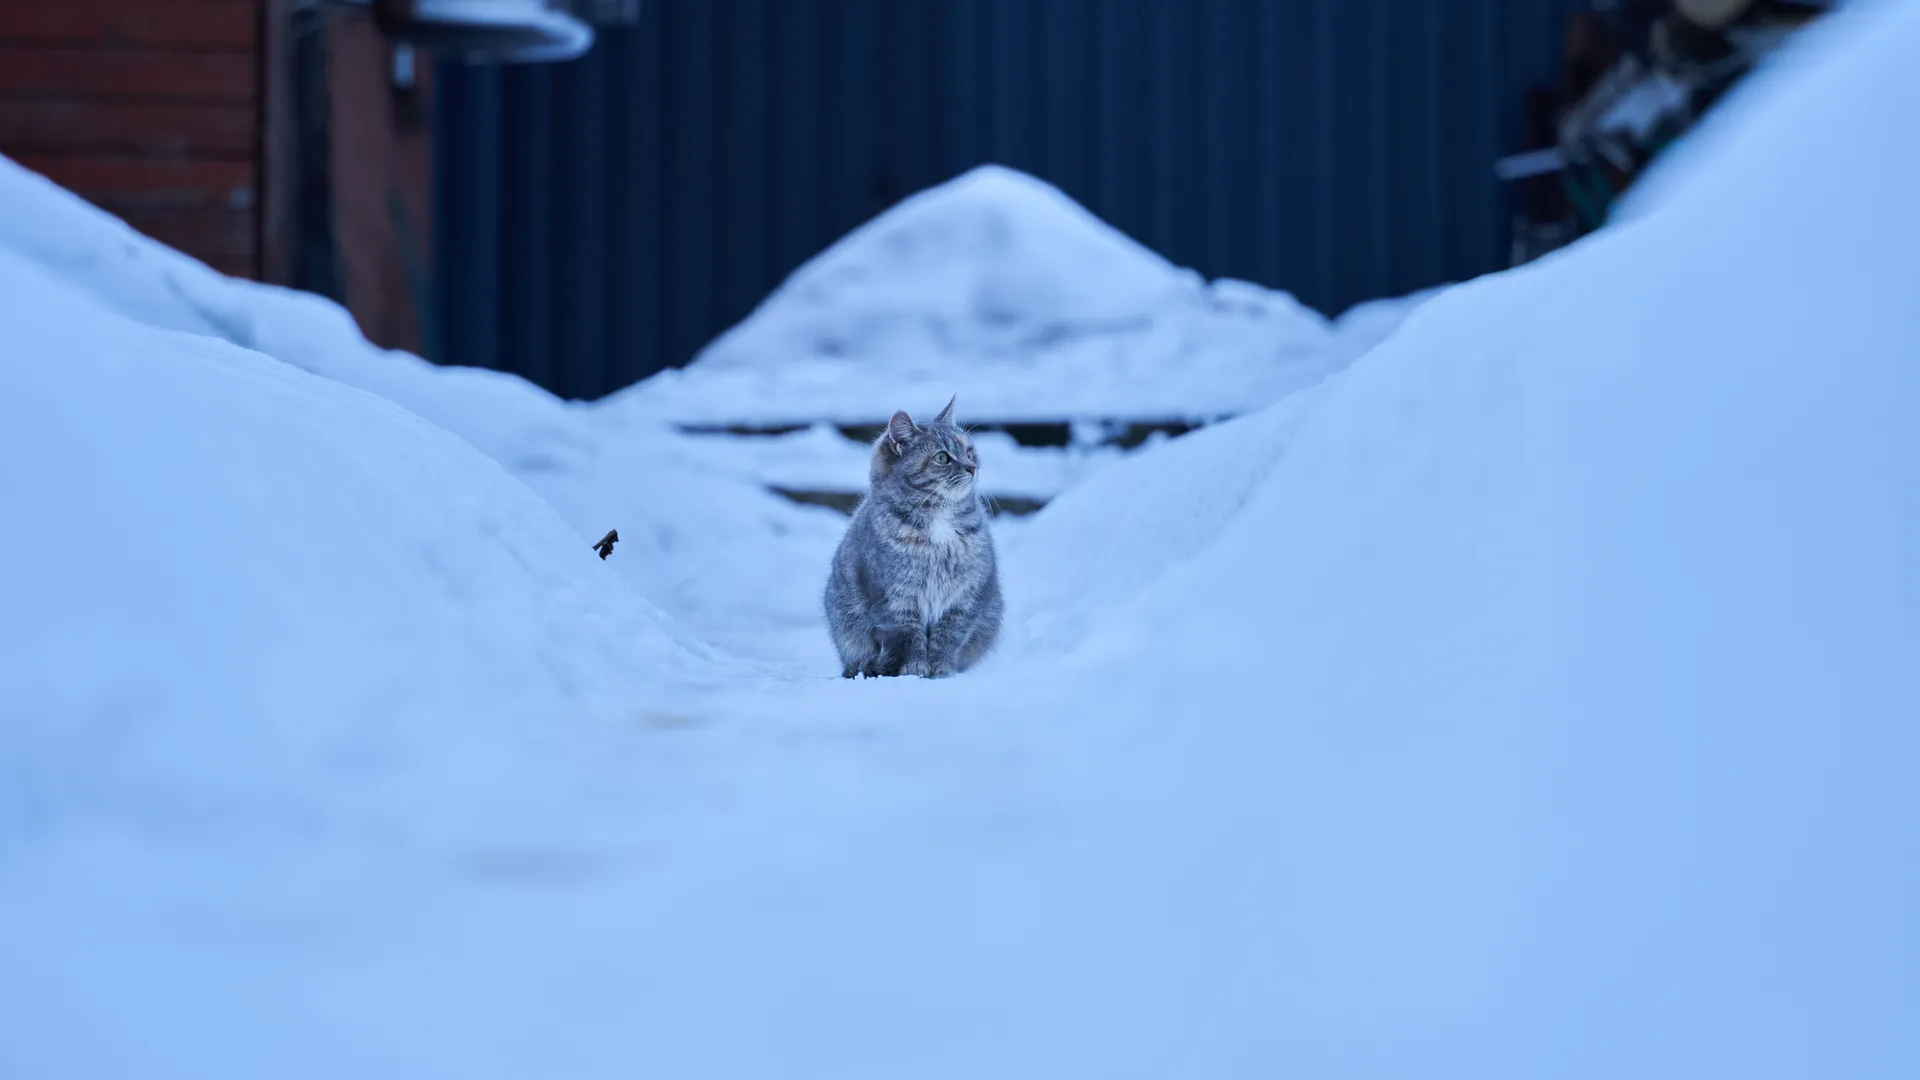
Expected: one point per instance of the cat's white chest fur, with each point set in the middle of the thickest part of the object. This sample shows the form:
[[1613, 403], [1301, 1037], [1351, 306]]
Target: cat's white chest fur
[[941, 532], [946, 578]]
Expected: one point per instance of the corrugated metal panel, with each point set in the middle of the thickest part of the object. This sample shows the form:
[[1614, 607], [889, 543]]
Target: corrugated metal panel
[[603, 219]]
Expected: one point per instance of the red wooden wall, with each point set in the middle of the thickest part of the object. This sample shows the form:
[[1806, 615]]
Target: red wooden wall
[[149, 108]]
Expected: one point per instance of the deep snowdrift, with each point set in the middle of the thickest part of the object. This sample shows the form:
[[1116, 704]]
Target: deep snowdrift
[[1546, 709], [1534, 699], [237, 591]]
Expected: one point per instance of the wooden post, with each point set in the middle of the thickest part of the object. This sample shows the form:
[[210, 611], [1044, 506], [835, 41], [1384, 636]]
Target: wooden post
[[278, 165]]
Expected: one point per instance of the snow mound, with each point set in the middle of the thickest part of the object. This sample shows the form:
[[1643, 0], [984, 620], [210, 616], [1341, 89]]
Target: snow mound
[[237, 591], [1367, 324], [1002, 289], [993, 262], [1142, 517], [102, 257], [1549, 703]]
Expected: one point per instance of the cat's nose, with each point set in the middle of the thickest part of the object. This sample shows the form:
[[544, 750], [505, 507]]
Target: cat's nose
[[971, 469]]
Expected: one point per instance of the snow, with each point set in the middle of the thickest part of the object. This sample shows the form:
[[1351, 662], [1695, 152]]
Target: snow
[[230, 576], [1367, 324], [153, 285], [1001, 289], [1533, 697]]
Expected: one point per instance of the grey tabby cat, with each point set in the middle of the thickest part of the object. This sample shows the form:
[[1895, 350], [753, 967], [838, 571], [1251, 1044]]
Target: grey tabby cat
[[914, 588]]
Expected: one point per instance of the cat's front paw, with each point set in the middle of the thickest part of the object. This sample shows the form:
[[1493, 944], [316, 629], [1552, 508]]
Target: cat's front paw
[[917, 667]]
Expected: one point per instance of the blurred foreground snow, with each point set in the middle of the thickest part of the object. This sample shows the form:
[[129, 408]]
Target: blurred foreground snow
[[1535, 697]]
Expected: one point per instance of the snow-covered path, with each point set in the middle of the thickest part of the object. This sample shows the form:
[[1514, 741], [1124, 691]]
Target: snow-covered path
[[1533, 697]]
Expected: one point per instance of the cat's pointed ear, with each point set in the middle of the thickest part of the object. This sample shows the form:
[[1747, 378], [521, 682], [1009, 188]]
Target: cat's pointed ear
[[899, 430], [946, 414]]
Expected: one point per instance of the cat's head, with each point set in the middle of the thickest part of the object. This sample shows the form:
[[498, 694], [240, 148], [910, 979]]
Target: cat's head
[[936, 458]]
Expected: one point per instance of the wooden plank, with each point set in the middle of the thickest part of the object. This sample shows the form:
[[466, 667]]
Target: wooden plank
[[1122, 433], [206, 25], [90, 125], [148, 182], [42, 70], [203, 232]]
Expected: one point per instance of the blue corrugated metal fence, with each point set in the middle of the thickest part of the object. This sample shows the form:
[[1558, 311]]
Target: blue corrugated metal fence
[[600, 220]]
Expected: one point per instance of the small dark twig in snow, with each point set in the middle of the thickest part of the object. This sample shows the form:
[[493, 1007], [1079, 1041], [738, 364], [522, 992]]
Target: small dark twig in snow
[[605, 546]]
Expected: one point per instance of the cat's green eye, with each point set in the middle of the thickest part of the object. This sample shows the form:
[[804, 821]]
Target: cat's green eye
[[941, 458]]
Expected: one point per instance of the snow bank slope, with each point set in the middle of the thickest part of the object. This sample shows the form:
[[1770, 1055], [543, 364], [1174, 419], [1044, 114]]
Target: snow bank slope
[[97, 254], [1548, 708], [228, 581], [1000, 288]]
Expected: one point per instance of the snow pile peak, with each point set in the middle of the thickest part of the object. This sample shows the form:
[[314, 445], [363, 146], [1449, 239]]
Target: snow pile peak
[[1000, 287], [993, 262]]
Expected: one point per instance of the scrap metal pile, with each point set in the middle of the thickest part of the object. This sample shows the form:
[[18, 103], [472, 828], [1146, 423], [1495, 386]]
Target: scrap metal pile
[[1638, 74]]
